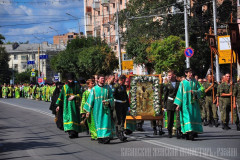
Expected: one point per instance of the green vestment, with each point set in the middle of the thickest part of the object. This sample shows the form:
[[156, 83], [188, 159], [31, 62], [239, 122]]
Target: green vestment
[[101, 113], [90, 120], [17, 92], [71, 111], [4, 91], [188, 103]]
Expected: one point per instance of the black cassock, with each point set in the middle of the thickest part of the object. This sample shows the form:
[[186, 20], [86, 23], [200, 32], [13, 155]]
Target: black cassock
[[53, 106]]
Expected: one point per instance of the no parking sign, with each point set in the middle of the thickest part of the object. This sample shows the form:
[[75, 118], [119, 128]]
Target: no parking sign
[[189, 52]]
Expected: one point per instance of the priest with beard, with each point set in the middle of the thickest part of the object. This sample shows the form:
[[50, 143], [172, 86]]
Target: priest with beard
[[70, 97], [101, 102]]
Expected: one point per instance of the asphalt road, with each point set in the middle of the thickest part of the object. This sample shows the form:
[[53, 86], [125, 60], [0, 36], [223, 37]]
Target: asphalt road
[[28, 131]]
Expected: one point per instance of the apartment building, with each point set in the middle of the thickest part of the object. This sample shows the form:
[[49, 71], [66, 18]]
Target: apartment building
[[100, 22], [238, 11], [21, 54], [64, 38]]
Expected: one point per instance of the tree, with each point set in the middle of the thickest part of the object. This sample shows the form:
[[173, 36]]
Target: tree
[[4, 68], [168, 54], [85, 57], [142, 27]]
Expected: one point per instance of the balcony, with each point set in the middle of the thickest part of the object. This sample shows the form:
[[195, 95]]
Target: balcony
[[89, 10], [113, 40], [96, 6], [97, 25], [89, 28], [111, 19], [112, 1], [105, 2], [105, 22]]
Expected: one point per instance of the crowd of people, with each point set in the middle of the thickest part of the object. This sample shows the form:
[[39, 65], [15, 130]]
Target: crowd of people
[[99, 105], [30, 91]]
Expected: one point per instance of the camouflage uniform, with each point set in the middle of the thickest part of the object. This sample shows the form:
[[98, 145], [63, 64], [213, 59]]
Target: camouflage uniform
[[210, 107], [236, 94], [226, 104]]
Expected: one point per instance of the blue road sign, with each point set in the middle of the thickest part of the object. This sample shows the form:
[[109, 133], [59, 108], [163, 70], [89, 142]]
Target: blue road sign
[[43, 57], [31, 62], [189, 52]]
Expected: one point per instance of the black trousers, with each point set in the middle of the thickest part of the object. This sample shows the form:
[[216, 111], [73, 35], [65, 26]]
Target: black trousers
[[170, 119], [121, 112]]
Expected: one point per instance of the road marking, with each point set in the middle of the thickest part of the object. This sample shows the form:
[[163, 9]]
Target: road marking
[[180, 149], [36, 110], [154, 142]]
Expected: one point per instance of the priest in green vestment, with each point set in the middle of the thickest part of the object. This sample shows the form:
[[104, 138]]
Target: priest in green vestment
[[4, 91], [101, 101], [90, 120], [70, 95], [17, 92], [187, 101]]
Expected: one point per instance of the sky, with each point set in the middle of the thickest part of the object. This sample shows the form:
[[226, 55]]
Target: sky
[[30, 20]]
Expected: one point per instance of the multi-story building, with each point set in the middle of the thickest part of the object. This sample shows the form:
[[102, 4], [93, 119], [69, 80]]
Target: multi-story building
[[238, 11], [64, 38], [100, 22], [21, 54]]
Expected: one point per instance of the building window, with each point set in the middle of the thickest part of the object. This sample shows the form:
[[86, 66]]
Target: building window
[[121, 2], [23, 57], [115, 48], [99, 13], [113, 5], [15, 57], [238, 3], [70, 36], [23, 66], [33, 56], [125, 57], [15, 67], [107, 9]]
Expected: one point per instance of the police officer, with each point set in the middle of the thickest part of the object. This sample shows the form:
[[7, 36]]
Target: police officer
[[212, 116], [121, 106], [170, 91]]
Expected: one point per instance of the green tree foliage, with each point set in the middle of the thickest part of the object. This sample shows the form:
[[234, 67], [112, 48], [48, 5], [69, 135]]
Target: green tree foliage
[[85, 57], [25, 77], [168, 54], [4, 68]]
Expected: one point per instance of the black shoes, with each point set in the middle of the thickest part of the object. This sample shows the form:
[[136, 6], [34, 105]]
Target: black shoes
[[154, 131], [72, 134], [210, 123], [121, 136], [104, 140], [238, 127], [216, 123], [169, 134]]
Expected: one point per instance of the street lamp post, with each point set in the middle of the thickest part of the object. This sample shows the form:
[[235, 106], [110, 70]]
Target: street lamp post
[[77, 21], [54, 30]]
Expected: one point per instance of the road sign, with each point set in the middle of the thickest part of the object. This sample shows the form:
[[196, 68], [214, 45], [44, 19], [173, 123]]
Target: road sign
[[33, 70], [33, 74], [189, 52], [56, 78], [31, 62], [224, 50], [43, 57], [40, 79]]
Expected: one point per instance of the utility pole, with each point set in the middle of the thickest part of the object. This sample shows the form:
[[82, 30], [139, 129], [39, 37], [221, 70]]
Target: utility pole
[[119, 43], [186, 31], [39, 60], [215, 33]]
